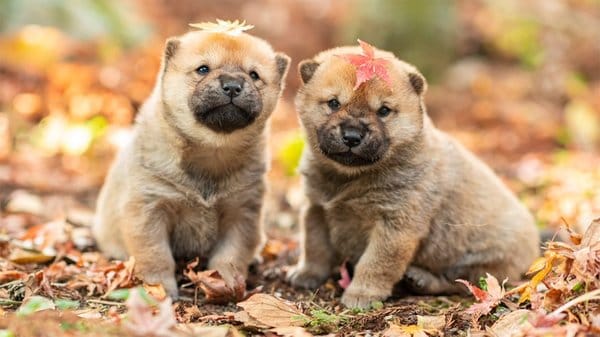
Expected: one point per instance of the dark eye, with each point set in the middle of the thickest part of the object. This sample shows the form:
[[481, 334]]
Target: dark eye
[[383, 111], [254, 75], [334, 104], [203, 69]]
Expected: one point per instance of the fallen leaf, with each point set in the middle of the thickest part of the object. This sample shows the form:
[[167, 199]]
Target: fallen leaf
[[487, 299], [291, 331], [215, 288], [35, 303], [368, 66], [141, 319], [511, 324], [155, 290], [344, 282], [272, 311], [11, 275], [26, 256], [208, 331], [431, 322], [223, 26], [396, 330], [21, 201]]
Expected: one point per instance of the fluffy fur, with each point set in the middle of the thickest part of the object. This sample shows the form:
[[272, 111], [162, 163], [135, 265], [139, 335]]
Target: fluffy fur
[[191, 182], [408, 201]]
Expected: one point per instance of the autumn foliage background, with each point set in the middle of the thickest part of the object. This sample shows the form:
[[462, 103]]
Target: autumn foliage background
[[518, 82]]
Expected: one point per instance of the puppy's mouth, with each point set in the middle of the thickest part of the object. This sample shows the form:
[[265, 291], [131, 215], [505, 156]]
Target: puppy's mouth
[[350, 158], [225, 118]]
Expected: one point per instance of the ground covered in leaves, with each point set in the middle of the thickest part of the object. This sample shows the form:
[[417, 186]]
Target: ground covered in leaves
[[523, 92]]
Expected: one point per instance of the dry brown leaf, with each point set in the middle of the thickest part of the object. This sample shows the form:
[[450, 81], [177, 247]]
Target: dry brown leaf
[[431, 322], [396, 330], [155, 290], [291, 331], [272, 311], [215, 288], [11, 275], [208, 331], [23, 256], [511, 324]]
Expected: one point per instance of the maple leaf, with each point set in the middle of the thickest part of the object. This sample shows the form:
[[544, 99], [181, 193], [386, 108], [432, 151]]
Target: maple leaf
[[344, 282], [487, 299], [141, 319], [223, 26], [215, 288], [368, 66]]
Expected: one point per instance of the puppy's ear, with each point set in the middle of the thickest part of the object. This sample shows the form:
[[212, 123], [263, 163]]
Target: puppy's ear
[[282, 62], [418, 83], [171, 47], [307, 69]]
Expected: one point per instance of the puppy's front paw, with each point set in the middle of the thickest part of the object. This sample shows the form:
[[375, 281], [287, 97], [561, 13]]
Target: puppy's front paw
[[358, 296], [167, 281], [302, 277]]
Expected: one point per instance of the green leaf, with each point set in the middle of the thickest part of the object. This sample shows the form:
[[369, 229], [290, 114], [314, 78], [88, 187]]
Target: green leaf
[[119, 295], [63, 304], [6, 333], [376, 305], [35, 303]]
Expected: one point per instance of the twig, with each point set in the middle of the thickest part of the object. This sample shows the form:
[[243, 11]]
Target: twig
[[105, 302], [9, 302]]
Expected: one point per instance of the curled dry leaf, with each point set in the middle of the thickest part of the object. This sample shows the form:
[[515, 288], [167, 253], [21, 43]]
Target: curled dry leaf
[[215, 288], [272, 311], [155, 290], [11, 275]]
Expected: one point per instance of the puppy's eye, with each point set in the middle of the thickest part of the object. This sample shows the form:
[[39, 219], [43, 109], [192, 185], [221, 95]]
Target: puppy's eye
[[254, 75], [203, 69], [383, 111], [334, 104]]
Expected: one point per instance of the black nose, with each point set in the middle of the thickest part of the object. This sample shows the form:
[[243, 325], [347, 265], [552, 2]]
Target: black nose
[[351, 136], [232, 86]]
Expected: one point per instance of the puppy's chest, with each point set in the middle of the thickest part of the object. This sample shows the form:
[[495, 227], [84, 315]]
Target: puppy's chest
[[349, 227], [195, 231]]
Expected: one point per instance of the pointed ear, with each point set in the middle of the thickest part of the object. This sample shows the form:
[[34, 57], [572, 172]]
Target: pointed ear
[[418, 83], [282, 62], [307, 69], [171, 47]]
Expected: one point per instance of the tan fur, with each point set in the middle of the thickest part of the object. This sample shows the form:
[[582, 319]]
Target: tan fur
[[427, 211], [181, 189]]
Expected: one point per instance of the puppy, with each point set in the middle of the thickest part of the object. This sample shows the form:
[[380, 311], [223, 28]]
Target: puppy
[[392, 194], [192, 180]]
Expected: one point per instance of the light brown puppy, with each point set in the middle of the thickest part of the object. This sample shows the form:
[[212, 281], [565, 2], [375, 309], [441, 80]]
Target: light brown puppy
[[393, 194], [191, 182]]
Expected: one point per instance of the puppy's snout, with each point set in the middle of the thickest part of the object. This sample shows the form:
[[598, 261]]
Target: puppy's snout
[[352, 136], [232, 86]]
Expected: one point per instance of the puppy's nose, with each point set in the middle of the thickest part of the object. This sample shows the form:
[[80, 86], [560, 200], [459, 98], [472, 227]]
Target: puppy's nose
[[351, 136], [232, 86]]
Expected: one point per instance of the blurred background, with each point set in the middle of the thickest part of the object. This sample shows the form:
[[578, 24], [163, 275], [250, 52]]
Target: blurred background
[[517, 82]]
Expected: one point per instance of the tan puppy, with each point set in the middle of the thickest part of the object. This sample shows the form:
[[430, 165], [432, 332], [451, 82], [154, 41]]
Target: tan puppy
[[393, 194], [191, 182]]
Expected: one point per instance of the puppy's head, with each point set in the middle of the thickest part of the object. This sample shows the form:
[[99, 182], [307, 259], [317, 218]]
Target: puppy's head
[[216, 84], [355, 129]]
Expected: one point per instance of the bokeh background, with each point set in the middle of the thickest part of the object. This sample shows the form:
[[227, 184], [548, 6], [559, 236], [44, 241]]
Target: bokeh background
[[518, 82]]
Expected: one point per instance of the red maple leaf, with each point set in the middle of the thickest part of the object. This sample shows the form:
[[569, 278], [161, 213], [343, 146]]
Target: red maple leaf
[[487, 300], [367, 65]]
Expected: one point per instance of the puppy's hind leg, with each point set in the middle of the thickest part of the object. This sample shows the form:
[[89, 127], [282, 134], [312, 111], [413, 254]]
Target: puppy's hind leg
[[423, 282]]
